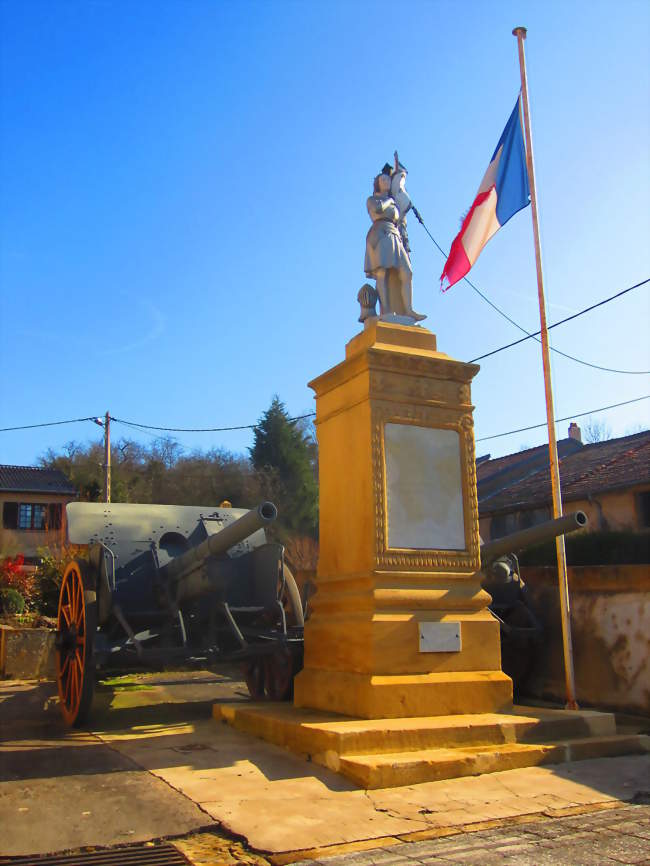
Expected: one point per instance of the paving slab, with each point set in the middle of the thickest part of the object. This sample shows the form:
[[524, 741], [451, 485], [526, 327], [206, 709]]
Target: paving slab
[[155, 764], [279, 802]]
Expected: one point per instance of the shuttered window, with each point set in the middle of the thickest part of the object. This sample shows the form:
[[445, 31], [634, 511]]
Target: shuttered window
[[32, 516], [10, 515]]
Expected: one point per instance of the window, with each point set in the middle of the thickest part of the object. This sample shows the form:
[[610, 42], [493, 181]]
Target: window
[[39, 517], [25, 516], [32, 516], [506, 524]]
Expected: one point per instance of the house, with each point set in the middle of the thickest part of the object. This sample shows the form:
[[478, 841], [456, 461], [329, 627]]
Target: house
[[32, 509], [609, 481]]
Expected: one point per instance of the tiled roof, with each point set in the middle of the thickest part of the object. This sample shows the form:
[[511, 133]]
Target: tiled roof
[[488, 468], [610, 465], [495, 476], [32, 479]]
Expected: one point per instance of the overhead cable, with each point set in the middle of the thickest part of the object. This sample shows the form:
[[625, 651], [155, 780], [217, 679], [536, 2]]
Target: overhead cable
[[146, 427], [568, 418], [535, 334], [203, 429], [48, 424]]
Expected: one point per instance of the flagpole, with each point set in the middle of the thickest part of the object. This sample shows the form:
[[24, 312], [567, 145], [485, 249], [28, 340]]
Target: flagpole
[[565, 608]]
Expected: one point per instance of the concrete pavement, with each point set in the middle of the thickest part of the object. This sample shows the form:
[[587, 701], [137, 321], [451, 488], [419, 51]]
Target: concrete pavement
[[61, 789], [155, 765]]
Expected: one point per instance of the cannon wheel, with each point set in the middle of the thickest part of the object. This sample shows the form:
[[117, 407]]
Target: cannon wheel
[[254, 676], [518, 651], [278, 675], [77, 621], [292, 594], [270, 677]]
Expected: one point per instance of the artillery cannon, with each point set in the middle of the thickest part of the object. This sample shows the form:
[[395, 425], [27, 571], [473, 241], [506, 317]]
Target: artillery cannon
[[521, 630], [165, 584]]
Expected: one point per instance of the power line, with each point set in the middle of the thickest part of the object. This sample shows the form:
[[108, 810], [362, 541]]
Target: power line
[[600, 303], [203, 429], [568, 418], [47, 424], [535, 334], [568, 319], [147, 427], [143, 430]]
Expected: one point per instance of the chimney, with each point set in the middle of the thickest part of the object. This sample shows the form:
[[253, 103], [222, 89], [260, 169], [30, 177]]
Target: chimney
[[574, 432]]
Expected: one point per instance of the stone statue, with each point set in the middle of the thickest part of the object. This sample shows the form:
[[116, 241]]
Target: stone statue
[[387, 250]]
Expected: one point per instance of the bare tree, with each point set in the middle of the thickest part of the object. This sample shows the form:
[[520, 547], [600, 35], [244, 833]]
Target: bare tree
[[596, 431]]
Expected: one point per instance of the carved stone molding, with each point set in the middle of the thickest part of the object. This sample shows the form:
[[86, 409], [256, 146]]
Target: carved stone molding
[[390, 385], [441, 368]]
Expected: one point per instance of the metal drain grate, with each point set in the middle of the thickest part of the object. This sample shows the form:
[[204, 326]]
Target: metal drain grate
[[133, 855]]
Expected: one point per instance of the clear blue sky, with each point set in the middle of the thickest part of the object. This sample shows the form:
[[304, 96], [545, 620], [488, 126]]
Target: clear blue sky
[[183, 203]]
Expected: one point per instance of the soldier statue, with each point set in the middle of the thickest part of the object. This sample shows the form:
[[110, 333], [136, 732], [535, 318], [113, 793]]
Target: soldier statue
[[387, 250]]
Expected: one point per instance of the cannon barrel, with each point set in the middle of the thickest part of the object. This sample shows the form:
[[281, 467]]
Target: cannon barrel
[[533, 535], [220, 542]]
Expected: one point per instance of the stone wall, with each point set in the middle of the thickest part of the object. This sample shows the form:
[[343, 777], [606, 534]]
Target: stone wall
[[610, 626], [26, 653]]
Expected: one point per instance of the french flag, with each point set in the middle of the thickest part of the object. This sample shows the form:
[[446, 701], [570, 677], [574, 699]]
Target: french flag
[[503, 191]]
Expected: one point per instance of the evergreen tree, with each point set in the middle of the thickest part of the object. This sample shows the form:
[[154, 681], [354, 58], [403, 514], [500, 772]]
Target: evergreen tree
[[286, 456]]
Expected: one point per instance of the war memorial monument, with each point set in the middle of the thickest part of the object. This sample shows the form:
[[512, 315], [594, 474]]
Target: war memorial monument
[[402, 680]]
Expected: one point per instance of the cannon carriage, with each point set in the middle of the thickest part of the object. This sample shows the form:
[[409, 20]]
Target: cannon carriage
[[520, 625], [168, 584]]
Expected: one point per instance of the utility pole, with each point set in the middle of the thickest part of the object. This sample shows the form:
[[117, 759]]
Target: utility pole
[[520, 33], [107, 458]]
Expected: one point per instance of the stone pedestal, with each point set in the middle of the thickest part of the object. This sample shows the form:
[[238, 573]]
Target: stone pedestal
[[400, 625], [402, 680]]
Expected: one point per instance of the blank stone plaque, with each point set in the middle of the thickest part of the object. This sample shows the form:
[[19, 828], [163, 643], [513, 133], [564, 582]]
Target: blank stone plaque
[[424, 497], [439, 637]]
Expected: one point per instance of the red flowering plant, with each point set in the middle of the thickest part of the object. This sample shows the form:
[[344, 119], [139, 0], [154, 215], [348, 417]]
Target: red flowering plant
[[14, 576]]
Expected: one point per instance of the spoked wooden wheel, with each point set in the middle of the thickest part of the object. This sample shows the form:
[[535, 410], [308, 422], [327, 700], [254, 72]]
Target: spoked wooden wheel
[[77, 621], [278, 675], [291, 598], [270, 677], [254, 676]]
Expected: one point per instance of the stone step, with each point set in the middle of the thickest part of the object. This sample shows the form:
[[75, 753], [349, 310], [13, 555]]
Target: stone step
[[315, 733], [430, 765]]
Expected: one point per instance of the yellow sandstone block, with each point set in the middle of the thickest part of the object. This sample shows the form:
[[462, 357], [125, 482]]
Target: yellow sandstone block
[[380, 696], [399, 546]]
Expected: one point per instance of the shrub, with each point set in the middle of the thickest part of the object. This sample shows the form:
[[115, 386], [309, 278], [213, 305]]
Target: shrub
[[623, 547], [11, 601], [14, 576], [49, 574], [301, 553]]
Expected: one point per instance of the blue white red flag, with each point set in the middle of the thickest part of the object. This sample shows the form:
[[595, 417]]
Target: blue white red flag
[[503, 191]]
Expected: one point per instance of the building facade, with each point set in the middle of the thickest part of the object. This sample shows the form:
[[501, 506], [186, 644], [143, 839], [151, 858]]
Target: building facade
[[609, 481], [32, 509]]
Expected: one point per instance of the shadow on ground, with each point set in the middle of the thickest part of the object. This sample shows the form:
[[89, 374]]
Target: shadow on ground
[[149, 722], [153, 763]]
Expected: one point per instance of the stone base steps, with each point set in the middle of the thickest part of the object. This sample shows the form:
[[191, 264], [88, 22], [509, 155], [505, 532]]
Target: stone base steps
[[378, 753], [432, 765]]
